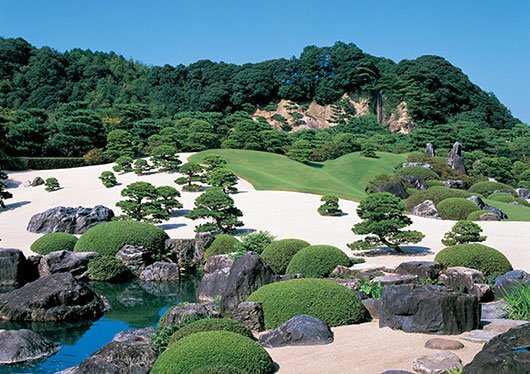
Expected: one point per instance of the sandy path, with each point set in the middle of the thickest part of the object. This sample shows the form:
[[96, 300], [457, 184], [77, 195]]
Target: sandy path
[[363, 349], [285, 214]]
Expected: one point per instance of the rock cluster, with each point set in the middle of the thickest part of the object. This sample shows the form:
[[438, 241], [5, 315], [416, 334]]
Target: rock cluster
[[495, 214], [15, 269], [467, 280], [68, 219], [75, 263], [299, 330], [250, 314]]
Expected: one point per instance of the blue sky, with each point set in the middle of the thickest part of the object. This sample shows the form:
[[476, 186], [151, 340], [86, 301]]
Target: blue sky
[[489, 40]]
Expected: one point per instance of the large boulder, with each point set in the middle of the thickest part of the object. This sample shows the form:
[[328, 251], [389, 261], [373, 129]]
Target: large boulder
[[467, 280], [455, 159], [429, 149], [75, 263], [135, 258], [437, 363], [250, 314], [426, 209], [299, 330], [202, 242], [428, 309], [68, 219], [218, 262], [213, 285], [423, 269], [55, 298], [160, 271], [247, 274], [393, 279], [189, 253], [504, 354], [413, 181], [455, 183], [15, 270], [523, 193], [20, 346], [128, 352], [184, 313], [506, 282], [395, 187]]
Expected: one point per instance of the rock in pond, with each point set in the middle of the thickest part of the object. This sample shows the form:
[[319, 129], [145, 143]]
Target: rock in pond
[[55, 298], [213, 285], [68, 219], [135, 258], [299, 330], [160, 271], [20, 346]]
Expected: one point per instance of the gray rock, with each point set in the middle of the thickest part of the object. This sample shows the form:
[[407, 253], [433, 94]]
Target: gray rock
[[20, 346], [455, 159], [443, 344], [413, 181], [499, 214], [202, 242], [250, 314], [70, 220], [467, 280], [218, 262], [421, 164], [37, 181], [504, 354], [128, 352], [437, 363], [160, 271], [75, 263], [135, 258], [15, 270], [55, 298], [429, 149], [182, 251], [523, 193], [426, 209], [480, 336], [494, 310], [213, 285], [373, 306], [247, 274], [395, 187], [488, 217], [428, 309], [299, 330], [505, 283], [501, 325], [185, 313], [477, 201], [349, 283], [394, 279], [455, 183], [422, 269]]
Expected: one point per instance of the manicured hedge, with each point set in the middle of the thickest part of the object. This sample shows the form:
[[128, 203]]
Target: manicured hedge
[[55, 241], [107, 269], [320, 298], [202, 350], [455, 208], [43, 163], [278, 254], [505, 197], [418, 171], [488, 187], [317, 261], [476, 256], [211, 324], [474, 216], [222, 245], [108, 238], [436, 194]]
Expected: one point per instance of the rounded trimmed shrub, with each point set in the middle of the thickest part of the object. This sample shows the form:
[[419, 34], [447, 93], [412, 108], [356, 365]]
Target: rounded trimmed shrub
[[213, 349], [108, 238], [321, 298], [278, 254], [55, 241], [418, 171], [317, 261], [222, 245], [476, 256], [474, 216], [455, 208], [505, 197], [488, 187], [219, 369], [436, 194], [107, 269], [433, 183], [211, 324]]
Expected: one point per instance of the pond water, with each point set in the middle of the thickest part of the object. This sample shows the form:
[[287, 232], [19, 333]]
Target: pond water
[[133, 305]]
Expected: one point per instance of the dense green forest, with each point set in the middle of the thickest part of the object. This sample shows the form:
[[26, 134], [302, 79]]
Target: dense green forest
[[95, 104]]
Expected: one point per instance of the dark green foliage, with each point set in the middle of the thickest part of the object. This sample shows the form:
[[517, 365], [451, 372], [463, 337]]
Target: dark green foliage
[[214, 348], [418, 171], [223, 178], [436, 194], [368, 150], [165, 157], [257, 241], [192, 173], [43, 163], [433, 183], [3, 193], [317, 261], [463, 232], [213, 161], [123, 164], [455, 208], [278, 254], [108, 179], [476, 256], [55, 241], [499, 168], [108, 238], [211, 324], [107, 269], [51, 184], [300, 151], [383, 221], [489, 187], [119, 144], [219, 208], [221, 245], [321, 298], [371, 290], [518, 300], [141, 166], [474, 216], [330, 206]]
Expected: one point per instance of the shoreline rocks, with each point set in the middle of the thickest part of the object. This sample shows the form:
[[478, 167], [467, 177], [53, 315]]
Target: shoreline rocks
[[20, 346]]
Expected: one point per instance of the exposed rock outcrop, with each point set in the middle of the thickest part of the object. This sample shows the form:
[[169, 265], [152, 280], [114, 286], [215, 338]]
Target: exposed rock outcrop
[[213, 284], [20, 346], [523, 193], [70, 220], [429, 149], [455, 159], [395, 187], [135, 258], [422, 269], [467, 280], [15, 269], [184, 313], [250, 314], [188, 253], [160, 271], [499, 214]]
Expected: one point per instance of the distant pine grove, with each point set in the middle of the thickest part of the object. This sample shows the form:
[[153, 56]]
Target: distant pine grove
[[96, 104]]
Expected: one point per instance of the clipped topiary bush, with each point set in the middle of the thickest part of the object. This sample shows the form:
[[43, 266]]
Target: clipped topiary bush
[[474, 216], [55, 241], [221, 245], [108, 238], [505, 197], [317, 261], [107, 269], [476, 256], [455, 208], [278, 254], [488, 187], [321, 298], [436, 194], [211, 324], [418, 171], [203, 350], [433, 183]]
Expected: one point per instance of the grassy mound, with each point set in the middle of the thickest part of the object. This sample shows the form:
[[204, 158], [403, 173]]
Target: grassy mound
[[317, 261], [211, 324], [513, 211], [213, 349], [108, 238], [221, 245], [320, 298], [505, 197], [474, 216], [476, 256], [488, 187], [436, 194], [418, 171], [455, 208], [55, 241], [278, 254]]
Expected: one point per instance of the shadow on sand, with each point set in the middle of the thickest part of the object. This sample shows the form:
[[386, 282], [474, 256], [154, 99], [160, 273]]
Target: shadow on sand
[[14, 206]]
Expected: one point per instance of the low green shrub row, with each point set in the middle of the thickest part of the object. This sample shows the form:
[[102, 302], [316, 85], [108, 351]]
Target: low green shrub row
[[43, 163], [486, 188], [436, 194]]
